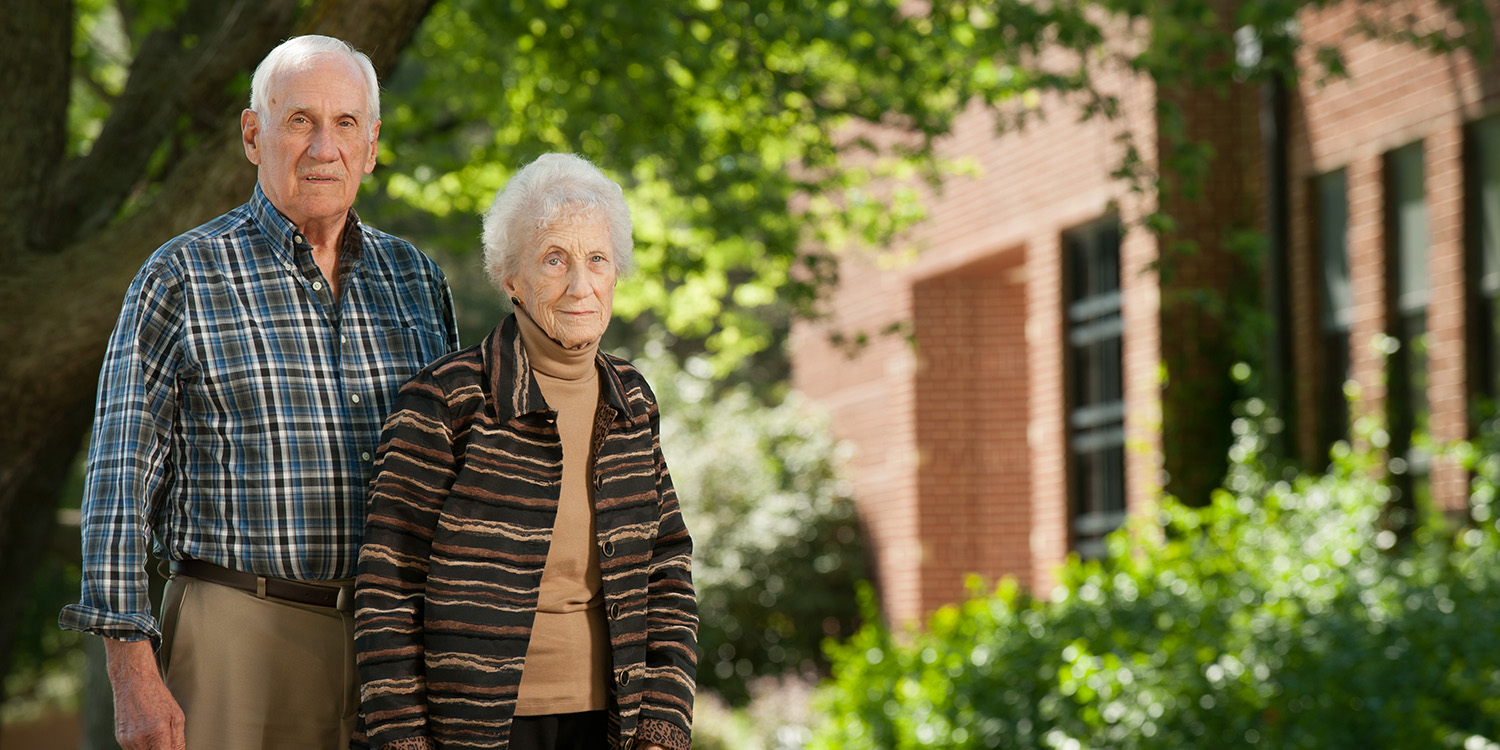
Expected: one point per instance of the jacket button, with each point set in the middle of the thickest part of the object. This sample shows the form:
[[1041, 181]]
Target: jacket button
[[614, 611], [628, 743], [609, 549], [624, 677]]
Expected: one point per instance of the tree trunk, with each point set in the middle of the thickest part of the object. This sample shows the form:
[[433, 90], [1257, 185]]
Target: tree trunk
[[74, 232], [35, 53]]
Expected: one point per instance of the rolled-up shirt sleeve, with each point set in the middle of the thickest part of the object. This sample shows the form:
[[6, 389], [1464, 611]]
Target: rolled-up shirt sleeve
[[129, 469]]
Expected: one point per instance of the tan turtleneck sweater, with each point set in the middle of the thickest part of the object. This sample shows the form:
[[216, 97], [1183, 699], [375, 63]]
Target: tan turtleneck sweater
[[568, 661]]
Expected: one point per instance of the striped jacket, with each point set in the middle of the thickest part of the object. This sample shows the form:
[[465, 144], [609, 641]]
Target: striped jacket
[[460, 520]]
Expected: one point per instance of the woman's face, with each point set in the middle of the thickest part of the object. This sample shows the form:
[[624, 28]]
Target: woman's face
[[567, 280]]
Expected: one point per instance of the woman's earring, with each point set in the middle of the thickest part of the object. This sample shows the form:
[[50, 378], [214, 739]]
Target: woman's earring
[[514, 300]]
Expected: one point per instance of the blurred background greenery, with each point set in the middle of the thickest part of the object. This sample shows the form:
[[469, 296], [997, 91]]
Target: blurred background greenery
[[1291, 612]]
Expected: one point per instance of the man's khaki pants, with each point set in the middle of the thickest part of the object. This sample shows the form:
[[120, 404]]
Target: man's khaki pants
[[257, 674]]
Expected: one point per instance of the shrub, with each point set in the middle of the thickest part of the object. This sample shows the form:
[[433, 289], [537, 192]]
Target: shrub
[[1285, 614], [776, 545], [779, 716]]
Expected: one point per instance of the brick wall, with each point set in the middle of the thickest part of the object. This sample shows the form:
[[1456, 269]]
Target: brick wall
[[958, 419], [1394, 95], [944, 491], [973, 478]]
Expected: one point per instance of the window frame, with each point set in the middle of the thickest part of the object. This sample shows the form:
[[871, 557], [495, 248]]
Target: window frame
[[1408, 411], [1094, 382], [1336, 304]]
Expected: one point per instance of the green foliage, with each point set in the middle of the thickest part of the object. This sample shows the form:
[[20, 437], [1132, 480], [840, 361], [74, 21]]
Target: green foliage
[[106, 36], [46, 662], [732, 126], [1286, 614], [757, 139], [777, 548]]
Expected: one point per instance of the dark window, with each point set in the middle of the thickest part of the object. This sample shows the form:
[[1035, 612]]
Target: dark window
[[1096, 394], [1337, 305], [1408, 412], [1483, 196]]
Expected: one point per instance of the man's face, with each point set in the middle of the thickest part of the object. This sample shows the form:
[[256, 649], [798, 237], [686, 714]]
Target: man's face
[[314, 143]]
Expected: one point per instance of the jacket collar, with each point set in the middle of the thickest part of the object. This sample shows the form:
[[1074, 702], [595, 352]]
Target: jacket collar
[[514, 389]]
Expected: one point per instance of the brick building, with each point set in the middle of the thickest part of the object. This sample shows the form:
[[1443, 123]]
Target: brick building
[[1055, 377]]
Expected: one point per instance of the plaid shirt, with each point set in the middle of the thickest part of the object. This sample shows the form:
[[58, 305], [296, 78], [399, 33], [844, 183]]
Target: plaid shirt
[[240, 406]]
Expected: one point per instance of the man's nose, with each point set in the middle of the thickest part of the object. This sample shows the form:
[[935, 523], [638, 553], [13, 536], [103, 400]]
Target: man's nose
[[322, 147]]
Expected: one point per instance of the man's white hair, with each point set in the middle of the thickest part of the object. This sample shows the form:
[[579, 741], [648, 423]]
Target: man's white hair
[[301, 50], [555, 187]]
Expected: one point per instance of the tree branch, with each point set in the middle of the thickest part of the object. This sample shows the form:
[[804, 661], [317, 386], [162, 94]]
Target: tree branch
[[177, 71]]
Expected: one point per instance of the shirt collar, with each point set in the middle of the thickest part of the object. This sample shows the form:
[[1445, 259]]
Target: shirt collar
[[514, 389], [283, 234]]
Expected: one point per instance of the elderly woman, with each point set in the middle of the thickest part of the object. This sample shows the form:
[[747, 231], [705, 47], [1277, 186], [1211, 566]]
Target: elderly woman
[[525, 579]]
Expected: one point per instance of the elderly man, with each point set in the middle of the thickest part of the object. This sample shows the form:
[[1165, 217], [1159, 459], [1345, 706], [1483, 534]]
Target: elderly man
[[239, 408]]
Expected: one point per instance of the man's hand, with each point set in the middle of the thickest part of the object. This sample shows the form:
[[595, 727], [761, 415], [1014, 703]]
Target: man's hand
[[147, 717]]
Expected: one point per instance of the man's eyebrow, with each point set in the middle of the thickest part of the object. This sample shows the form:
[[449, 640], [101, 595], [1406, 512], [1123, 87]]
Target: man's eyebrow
[[357, 114]]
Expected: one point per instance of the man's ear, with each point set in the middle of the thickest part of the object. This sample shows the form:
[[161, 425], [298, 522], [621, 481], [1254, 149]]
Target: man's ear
[[374, 148], [250, 135]]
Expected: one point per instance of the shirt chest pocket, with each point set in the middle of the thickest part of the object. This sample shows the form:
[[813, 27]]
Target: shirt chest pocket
[[407, 349]]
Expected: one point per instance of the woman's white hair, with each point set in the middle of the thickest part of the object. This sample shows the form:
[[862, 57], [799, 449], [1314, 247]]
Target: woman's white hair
[[301, 50], [554, 188]]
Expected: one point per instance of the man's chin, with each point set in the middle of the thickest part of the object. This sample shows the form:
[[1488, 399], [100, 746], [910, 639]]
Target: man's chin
[[318, 205]]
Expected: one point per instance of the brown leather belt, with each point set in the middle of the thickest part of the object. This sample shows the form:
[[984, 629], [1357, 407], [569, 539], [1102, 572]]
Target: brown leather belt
[[340, 598]]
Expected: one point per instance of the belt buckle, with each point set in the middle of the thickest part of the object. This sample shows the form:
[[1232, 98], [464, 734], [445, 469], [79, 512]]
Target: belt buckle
[[345, 602]]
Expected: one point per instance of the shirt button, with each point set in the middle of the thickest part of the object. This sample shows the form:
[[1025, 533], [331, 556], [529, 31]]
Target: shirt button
[[317, 285], [354, 397], [287, 266], [364, 456], [343, 339], [298, 238]]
